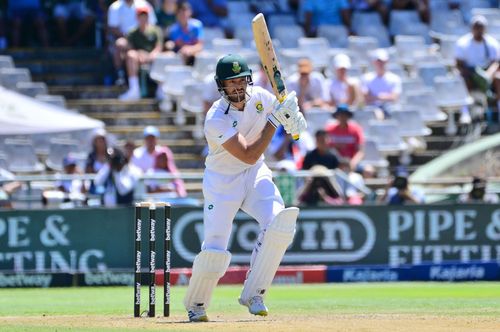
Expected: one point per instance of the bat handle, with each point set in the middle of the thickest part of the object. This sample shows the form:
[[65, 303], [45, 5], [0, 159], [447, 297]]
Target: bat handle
[[296, 137]]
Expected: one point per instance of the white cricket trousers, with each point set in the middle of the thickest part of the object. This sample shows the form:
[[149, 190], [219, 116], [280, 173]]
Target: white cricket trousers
[[252, 190]]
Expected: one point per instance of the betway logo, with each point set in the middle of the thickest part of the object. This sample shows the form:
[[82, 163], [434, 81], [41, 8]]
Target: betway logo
[[325, 235]]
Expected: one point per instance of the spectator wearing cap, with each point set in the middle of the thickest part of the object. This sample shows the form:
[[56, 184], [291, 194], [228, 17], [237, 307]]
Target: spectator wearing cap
[[321, 155], [399, 192], [478, 194], [325, 12], [308, 84], [381, 87], [477, 55], [342, 89], [422, 6], [186, 34], [346, 136], [145, 43], [320, 188], [73, 190], [122, 18], [212, 14], [119, 180]]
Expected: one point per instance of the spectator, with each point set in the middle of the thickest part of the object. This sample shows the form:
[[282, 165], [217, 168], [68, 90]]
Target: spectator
[[128, 149], [346, 136], [119, 178], [22, 12], [381, 87], [342, 89], [67, 190], [478, 193], [398, 192], [379, 6], [145, 43], [320, 189], [477, 55], [422, 6], [77, 9], [97, 158], [351, 183], [212, 14], [309, 86], [175, 187], [166, 15], [321, 155], [122, 18], [186, 34], [321, 12], [7, 187], [284, 147]]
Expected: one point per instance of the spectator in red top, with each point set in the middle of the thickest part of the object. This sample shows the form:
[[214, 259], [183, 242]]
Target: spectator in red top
[[346, 136]]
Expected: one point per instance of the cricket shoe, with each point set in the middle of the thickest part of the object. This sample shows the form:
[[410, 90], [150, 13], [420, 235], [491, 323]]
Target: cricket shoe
[[256, 306], [130, 95], [197, 314]]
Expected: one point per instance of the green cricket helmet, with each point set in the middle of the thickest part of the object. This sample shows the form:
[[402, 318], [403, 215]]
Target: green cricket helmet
[[231, 66]]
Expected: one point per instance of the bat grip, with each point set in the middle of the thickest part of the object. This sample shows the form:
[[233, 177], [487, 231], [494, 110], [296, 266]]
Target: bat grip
[[296, 137]]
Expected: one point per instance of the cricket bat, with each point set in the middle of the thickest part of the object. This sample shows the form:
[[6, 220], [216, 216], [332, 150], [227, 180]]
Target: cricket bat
[[268, 58]]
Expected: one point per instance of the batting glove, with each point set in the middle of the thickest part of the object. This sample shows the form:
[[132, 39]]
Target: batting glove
[[285, 112]]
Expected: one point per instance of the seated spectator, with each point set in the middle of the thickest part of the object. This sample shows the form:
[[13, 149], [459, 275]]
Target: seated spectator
[[422, 6], [122, 18], [351, 183], [76, 9], [398, 192], [284, 147], [320, 189], [98, 157], [166, 15], [175, 187], [22, 12], [381, 87], [308, 84], [186, 34], [478, 194], [379, 6], [342, 89], [477, 55], [212, 14], [321, 155], [322, 12], [128, 149], [8, 186], [145, 43], [346, 136], [119, 179], [67, 190]]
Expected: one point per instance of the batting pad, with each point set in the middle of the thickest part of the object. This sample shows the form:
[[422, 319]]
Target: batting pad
[[208, 267], [278, 237]]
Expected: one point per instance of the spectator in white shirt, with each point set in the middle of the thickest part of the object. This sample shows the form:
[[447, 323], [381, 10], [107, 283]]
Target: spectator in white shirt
[[478, 51], [122, 18], [342, 89], [309, 86], [381, 87]]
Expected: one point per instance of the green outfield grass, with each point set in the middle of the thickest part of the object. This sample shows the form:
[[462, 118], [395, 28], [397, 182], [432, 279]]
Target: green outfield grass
[[479, 300]]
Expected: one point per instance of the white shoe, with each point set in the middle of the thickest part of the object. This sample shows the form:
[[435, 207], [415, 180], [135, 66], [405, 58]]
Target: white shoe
[[130, 95], [197, 314], [256, 306]]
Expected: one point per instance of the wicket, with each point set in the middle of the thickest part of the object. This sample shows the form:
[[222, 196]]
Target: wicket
[[152, 208]]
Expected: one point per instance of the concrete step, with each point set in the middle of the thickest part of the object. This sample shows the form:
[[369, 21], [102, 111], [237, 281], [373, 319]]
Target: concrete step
[[417, 159], [87, 92], [442, 143], [56, 66], [167, 132], [88, 106], [62, 53], [70, 79]]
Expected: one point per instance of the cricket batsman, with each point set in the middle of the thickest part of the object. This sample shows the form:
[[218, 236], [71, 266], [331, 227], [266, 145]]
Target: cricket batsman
[[238, 128]]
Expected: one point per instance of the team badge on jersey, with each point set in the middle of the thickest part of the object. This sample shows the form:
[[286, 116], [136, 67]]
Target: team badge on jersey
[[259, 107], [236, 67]]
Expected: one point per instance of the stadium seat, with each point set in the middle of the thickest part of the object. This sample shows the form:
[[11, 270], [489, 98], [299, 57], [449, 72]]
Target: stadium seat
[[409, 48], [276, 20], [400, 21], [288, 35], [452, 92], [58, 150], [245, 35], [373, 156], [447, 49], [204, 64], [365, 19], [211, 33], [32, 89], [386, 134], [428, 71], [192, 102], [6, 61], [223, 46], [378, 32], [157, 71], [238, 7], [425, 102], [55, 100], [411, 85], [21, 156], [491, 14], [317, 119], [361, 46], [316, 49], [9, 77], [410, 122], [173, 87], [335, 34], [364, 116]]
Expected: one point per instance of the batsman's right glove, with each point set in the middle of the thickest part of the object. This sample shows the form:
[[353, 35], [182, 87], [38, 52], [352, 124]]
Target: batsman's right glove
[[284, 113]]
